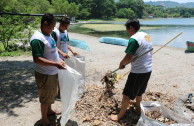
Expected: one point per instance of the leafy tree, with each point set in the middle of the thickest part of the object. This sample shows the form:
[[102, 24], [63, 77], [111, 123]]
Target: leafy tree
[[187, 15], [125, 13], [72, 10], [84, 14], [59, 7], [10, 25], [102, 8]]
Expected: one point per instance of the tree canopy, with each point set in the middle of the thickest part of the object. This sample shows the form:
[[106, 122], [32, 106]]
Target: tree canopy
[[86, 9]]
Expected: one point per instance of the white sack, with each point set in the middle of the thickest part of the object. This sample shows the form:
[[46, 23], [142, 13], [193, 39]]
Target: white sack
[[148, 106], [69, 82], [78, 63]]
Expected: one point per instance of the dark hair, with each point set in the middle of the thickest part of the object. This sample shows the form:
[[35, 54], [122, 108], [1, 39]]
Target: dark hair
[[49, 18], [64, 20], [134, 23]]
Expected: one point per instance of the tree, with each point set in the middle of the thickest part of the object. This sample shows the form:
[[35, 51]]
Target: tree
[[84, 14], [59, 7], [72, 9], [126, 13], [102, 8], [10, 25]]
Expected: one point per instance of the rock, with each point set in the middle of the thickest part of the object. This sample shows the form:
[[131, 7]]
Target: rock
[[96, 123]]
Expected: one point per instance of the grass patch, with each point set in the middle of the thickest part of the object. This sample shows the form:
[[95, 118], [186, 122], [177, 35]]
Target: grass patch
[[104, 27], [112, 27], [15, 53]]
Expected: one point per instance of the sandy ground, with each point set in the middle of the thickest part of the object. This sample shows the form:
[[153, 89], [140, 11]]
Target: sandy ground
[[19, 106]]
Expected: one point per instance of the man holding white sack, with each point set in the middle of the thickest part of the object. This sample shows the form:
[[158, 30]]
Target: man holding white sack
[[47, 60]]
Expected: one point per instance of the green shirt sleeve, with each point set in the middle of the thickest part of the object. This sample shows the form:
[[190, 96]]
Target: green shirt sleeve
[[54, 35], [132, 46], [37, 48]]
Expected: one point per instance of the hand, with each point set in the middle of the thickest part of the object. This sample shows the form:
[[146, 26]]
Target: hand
[[75, 54], [65, 55], [61, 65], [121, 66]]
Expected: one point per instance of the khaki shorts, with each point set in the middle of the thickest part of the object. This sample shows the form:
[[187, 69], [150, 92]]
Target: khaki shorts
[[47, 87]]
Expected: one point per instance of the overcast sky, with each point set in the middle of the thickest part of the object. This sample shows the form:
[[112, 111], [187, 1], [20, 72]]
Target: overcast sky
[[179, 1]]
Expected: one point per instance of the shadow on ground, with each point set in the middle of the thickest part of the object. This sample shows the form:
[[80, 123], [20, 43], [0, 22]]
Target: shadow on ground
[[17, 85], [54, 120]]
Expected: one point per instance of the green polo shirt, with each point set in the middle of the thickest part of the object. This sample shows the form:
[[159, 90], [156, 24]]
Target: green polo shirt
[[37, 48], [132, 46]]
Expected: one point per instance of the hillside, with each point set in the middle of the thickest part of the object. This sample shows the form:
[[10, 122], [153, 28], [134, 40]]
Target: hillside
[[170, 4]]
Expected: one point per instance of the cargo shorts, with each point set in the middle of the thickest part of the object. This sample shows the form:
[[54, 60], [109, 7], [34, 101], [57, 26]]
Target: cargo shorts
[[47, 87]]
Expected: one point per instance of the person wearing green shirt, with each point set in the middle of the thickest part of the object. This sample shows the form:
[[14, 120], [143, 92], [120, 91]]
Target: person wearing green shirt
[[61, 37], [46, 58], [141, 69]]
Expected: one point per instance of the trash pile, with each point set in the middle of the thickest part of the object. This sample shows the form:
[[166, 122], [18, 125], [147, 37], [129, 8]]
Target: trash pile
[[158, 116], [99, 102], [166, 99]]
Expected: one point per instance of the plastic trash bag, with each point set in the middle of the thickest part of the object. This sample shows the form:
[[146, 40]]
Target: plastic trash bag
[[148, 106], [69, 81], [78, 63]]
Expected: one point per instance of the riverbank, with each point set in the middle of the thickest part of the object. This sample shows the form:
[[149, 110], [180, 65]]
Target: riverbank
[[19, 106]]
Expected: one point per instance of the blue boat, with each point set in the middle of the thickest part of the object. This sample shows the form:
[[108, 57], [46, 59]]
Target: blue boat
[[79, 44], [114, 40]]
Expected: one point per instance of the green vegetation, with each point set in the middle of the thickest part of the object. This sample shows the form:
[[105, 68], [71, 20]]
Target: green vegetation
[[19, 29], [171, 4]]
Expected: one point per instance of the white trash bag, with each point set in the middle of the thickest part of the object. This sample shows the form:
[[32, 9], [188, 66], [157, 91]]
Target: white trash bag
[[69, 81], [78, 63], [149, 106]]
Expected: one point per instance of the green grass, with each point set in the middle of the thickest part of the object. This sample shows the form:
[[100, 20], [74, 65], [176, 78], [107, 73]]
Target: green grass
[[112, 27], [15, 53], [104, 27]]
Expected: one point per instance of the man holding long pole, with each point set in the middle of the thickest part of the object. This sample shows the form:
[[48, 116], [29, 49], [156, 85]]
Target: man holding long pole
[[141, 68]]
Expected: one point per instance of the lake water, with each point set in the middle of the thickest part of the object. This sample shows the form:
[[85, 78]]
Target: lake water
[[171, 28]]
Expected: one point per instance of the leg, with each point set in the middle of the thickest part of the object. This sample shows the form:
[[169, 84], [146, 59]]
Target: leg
[[125, 103], [44, 111], [138, 108]]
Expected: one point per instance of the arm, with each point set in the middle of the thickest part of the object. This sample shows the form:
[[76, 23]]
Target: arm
[[62, 53], [45, 62], [128, 57], [74, 53], [130, 51]]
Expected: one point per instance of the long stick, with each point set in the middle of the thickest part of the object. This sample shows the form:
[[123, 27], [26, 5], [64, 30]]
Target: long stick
[[168, 42], [154, 52]]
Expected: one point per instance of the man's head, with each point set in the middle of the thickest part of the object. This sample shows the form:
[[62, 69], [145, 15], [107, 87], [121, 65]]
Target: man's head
[[132, 26], [64, 23], [48, 23]]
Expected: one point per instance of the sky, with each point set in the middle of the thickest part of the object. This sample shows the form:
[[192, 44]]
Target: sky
[[179, 1]]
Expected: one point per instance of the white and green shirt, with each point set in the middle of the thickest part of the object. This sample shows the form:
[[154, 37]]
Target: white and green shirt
[[139, 43], [44, 46], [61, 39]]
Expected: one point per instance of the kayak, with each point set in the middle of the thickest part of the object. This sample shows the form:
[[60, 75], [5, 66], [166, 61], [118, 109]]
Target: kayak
[[114, 41], [190, 46], [79, 44]]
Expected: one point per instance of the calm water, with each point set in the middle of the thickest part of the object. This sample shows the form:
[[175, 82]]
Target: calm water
[[171, 28]]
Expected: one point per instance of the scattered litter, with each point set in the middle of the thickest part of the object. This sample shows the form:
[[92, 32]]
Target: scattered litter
[[158, 116]]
